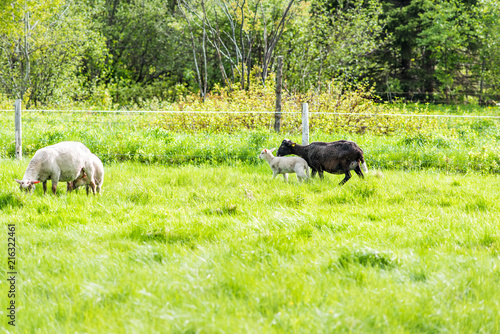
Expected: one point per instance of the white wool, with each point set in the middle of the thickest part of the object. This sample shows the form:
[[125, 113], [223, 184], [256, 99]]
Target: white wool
[[62, 162], [94, 164], [284, 165]]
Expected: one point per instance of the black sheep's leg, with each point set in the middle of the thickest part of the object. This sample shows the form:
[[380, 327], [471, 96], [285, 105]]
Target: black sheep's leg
[[321, 176], [313, 172], [347, 177], [359, 172]]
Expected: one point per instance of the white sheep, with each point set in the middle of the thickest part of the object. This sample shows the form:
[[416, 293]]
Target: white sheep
[[284, 165], [95, 164], [63, 162]]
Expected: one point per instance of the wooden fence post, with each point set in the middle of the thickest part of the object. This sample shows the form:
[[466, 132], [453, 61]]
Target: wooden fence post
[[277, 114], [19, 132], [305, 124]]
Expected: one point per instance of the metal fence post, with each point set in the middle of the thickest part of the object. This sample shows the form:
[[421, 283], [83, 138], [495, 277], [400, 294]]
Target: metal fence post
[[305, 124], [19, 132]]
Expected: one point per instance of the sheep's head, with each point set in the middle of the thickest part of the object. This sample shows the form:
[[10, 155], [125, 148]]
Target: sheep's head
[[266, 152], [286, 147], [27, 185]]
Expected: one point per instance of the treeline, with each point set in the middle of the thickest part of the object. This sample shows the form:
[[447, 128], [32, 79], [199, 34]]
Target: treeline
[[127, 51]]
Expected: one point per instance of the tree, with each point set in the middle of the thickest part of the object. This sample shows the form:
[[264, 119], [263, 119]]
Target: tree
[[40, 48], [449, 34], [488, 64], [147, 48], [338, 40], [242, 33]]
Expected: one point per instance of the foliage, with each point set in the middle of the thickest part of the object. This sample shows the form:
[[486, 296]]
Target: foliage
[[448, 34], [390, 138], [41, 50], [59, 52], [488, 30], [335, 41]]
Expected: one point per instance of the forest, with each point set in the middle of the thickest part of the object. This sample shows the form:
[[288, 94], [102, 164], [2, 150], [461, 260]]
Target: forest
[[60, 52]]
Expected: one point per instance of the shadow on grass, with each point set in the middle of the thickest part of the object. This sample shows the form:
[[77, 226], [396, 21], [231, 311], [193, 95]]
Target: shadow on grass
[[10, 200]]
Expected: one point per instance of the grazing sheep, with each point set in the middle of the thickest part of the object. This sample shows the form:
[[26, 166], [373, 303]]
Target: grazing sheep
[[64, 162], [286, 165], [338, 157], [98, 171]]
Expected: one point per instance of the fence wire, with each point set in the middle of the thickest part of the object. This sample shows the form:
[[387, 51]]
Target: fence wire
[[390, 140]]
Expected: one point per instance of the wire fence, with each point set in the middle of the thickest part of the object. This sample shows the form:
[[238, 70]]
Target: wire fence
[[390, 140]]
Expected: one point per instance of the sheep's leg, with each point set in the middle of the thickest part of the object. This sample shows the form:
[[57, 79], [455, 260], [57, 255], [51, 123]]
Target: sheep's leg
[[313, 173], [69, 187], [87, 189], [347, 177], [54, 186], [320, 173], [44, 183], [275, 174], [285, 177], [359, 172]]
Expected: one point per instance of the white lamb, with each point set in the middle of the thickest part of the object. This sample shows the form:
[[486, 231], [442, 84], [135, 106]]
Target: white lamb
[[284, 165], [97, 170], [63, 162]]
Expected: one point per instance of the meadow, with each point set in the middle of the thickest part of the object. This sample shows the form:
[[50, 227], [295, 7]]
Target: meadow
[[206, 249], [191, 235]]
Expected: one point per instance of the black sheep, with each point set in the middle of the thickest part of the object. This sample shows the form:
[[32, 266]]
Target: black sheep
[[338, 157]]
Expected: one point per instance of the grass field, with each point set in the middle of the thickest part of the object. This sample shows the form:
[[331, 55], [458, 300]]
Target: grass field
[[223, 249]]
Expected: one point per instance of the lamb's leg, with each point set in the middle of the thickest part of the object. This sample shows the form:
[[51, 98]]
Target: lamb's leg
[[275, 174], [347, 177], [90, 186], [285, 177], [69, 187], [301, 174], [359, 172], [44, 183]]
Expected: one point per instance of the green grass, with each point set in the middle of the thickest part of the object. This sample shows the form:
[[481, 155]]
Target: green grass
[[205, 249], [446, 144]]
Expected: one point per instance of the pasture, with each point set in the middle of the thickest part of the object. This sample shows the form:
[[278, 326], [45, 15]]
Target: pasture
[[221, 248]]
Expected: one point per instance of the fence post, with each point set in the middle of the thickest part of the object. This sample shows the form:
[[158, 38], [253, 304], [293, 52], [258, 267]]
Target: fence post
[[19, 133], [277, 114], [305, 124]]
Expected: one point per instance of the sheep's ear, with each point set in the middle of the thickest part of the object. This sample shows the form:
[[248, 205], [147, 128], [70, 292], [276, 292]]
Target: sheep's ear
[[272, 150], [18, 181]]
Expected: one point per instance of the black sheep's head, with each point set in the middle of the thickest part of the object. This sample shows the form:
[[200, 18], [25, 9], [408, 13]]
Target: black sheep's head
[[286, 148]]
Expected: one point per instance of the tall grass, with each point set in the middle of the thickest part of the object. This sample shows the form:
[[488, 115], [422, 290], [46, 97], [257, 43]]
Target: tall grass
[[444, 144], [224, 249]]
